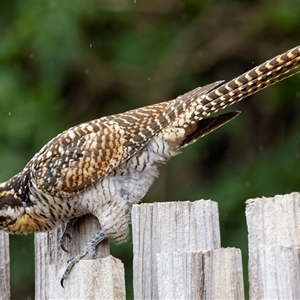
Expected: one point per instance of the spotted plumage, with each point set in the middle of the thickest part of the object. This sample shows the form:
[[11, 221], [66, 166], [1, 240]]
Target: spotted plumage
[[106, 165]]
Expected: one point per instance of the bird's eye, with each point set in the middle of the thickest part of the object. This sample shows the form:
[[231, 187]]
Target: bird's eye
[[5, 221]]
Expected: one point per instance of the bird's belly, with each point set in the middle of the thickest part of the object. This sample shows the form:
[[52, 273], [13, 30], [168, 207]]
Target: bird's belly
[[111, 199]]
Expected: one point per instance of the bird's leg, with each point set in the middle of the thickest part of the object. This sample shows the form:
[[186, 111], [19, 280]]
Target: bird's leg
[[66, 233], [89, 248]]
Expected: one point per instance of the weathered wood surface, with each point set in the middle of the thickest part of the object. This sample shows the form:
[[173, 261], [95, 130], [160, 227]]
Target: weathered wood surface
[[214, 274], [4, 266], [166, 228], [102, 278], [274, 243]]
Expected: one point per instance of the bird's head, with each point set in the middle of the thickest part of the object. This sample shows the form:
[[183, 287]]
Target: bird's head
[[10, 207]]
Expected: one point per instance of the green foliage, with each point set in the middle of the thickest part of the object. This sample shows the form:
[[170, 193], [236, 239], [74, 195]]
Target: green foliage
[[63, 63]]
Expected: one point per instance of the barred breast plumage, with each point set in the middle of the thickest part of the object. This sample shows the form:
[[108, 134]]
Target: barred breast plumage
[[106, 165]]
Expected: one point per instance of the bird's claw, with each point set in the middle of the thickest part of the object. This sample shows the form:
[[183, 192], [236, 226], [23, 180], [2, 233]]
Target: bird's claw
[[89, 248]]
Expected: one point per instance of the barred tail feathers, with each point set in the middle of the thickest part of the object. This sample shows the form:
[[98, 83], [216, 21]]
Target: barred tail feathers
[[258, 78]]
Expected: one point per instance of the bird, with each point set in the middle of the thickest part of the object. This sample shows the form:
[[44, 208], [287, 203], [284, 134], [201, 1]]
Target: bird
[[104, 166]]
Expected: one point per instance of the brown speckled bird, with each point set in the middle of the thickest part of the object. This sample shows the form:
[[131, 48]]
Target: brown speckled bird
[[105, 166]]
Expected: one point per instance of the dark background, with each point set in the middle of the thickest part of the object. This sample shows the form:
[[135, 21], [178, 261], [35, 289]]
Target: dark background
[[62, 63]]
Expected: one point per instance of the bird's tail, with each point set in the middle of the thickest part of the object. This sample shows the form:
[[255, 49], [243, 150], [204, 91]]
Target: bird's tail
[[190, 111], [260, 77], [203, 127]]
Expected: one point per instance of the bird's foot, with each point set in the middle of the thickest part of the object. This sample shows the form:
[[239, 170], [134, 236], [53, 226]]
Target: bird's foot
[[89, 248]]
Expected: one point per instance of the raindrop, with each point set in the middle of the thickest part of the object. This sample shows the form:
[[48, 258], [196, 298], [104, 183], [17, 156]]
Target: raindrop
[[9, 113], [148, 78], [86, 71], [91, 45]]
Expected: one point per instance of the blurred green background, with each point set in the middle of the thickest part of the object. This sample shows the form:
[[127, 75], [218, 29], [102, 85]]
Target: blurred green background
[[62, 63]]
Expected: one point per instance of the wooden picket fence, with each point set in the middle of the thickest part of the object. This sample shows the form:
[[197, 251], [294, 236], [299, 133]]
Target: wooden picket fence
[[177, 255]]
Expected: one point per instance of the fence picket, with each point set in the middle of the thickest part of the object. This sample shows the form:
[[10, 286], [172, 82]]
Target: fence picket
[[274, 244], [4, 266]]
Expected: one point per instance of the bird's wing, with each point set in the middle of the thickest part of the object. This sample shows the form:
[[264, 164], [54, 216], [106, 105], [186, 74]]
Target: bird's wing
[[85, 154]]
